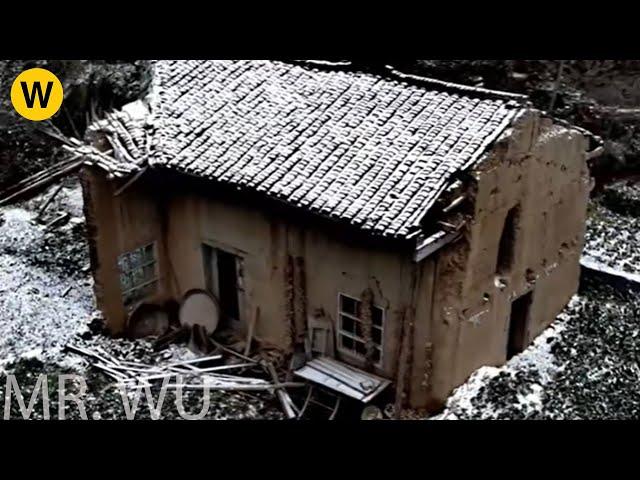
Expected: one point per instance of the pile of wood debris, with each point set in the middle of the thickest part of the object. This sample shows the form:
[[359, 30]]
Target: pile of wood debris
[[202, 373]]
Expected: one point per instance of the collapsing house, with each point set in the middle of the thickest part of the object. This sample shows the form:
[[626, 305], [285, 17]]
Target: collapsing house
[[411, 228]]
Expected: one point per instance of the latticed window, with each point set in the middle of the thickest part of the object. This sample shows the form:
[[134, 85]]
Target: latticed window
[[350, 328], [138, 274]]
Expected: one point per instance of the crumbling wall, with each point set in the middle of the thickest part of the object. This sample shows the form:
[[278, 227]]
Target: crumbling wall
[[540, 169], [119, 224], [335, 264], [290, 271], [194, 220]]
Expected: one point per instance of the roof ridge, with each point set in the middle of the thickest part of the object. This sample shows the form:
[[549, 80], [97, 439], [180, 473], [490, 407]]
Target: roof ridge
[[419, 80], [466, 89]]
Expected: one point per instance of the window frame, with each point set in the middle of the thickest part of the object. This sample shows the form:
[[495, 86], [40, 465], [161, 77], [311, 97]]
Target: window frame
[[341, 332], [127, 293]]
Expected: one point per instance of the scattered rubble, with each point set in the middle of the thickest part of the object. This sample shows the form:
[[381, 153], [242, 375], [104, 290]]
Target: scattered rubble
[[584, 366], [49, 325], [46, 304]]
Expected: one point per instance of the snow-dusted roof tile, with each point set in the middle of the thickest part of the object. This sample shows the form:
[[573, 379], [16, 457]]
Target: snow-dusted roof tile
[[368, 149]]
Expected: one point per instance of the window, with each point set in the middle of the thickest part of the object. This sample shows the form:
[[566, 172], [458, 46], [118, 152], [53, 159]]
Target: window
[[138, 277], [506, 249], [350, 330]]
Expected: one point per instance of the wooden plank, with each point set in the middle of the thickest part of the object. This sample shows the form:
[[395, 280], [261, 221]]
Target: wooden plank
[[283, 396], [46, 204], [231, 387], [34, 188], [195, 360]]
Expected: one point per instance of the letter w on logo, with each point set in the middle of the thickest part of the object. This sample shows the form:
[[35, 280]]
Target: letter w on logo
[[30, 96]]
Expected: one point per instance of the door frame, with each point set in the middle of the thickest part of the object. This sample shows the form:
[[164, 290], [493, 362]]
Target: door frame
[[524, 324], [240, 274]]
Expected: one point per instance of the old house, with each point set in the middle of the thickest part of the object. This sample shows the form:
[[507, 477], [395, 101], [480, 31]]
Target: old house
[[429, 228]]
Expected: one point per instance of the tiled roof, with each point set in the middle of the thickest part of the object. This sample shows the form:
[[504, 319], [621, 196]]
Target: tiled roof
[[368, 149]]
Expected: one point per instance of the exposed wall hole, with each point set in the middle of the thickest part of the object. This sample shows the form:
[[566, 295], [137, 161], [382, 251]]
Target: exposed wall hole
[[564, 249], [530, 275], [506, 249]]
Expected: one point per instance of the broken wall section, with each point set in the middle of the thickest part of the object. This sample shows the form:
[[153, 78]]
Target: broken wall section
[[118, 224], [525, 235], [293, 273]]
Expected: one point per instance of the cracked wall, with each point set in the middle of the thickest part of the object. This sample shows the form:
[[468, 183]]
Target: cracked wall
[[539, 168], [458, 309], [324, 263]]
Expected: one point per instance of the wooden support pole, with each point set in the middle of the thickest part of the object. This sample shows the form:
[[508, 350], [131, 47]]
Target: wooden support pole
[[252, 325], [289, 300], [283, 396]]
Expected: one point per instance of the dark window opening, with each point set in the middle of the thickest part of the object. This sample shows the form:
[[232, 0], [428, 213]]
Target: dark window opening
[[506, 249], [228, 285], [221, 277], [518, 323]]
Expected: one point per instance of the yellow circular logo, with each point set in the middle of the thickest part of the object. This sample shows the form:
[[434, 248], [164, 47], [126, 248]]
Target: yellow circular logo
[[36, 94]]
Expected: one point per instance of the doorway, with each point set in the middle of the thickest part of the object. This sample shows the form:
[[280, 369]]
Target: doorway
[[518, 324], [222, 279]]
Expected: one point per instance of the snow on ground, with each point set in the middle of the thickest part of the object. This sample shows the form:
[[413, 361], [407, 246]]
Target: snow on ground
[[585, 366], [46, 302], [536, 365], [42, 304], [613, 228]]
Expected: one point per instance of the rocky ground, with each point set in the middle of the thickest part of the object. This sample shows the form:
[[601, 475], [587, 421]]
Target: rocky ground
[[586, 365], [613, 228], [46, 302]]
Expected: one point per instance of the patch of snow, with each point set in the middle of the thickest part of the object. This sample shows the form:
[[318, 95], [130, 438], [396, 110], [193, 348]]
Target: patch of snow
[[39, 310], [461, 398], [537, 358]]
